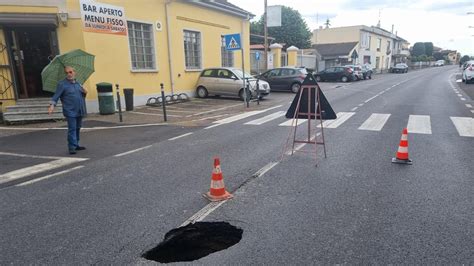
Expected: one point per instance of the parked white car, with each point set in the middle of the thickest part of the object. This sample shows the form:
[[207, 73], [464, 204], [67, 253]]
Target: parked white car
[[227, 81], [439, 63], [468, 72]]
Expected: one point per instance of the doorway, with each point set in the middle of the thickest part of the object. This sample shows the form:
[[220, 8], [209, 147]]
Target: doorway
[[32, 48]]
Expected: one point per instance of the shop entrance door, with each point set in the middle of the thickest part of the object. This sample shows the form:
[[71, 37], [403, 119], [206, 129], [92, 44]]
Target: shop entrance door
[[32, 49]]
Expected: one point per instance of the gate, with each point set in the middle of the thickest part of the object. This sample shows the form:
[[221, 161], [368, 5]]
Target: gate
[[7, 88]]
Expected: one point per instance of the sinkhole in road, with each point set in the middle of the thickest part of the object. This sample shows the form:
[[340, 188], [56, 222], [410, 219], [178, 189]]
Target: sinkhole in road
[[194, 241]]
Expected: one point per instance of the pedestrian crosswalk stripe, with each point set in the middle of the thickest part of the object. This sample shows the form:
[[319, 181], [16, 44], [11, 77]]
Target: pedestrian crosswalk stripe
[[464, 125], [244, 115], [290, 121], [420, 124], [266, 119], [375, 122], [341, 118]]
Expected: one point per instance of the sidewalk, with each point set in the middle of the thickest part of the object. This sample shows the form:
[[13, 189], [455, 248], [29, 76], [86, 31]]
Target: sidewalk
[[196, 112]]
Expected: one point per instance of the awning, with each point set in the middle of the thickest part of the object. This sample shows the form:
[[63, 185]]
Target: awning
[[28, 19]]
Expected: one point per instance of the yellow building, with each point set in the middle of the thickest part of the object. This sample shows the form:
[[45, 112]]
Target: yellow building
[[138, 44], [362, 44]]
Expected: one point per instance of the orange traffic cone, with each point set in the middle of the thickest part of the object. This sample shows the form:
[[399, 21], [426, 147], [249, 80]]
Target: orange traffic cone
[[217, 191], [402, 153]]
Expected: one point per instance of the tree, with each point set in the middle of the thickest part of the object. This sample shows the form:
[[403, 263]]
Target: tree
[[428, 48], [438, 55], [327, 23], [419, 49], [465, 59], [293, 30]]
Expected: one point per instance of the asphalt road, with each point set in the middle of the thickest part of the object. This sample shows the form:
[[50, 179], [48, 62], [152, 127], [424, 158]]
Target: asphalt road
[[354, 207]]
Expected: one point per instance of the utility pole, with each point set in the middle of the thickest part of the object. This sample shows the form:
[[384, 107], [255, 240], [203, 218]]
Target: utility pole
[[265, 36]]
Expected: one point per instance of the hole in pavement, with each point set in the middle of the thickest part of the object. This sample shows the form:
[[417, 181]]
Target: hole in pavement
[[194, 241]]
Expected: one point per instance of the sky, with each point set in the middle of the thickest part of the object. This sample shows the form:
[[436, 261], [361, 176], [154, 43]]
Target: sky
[[446, 23]]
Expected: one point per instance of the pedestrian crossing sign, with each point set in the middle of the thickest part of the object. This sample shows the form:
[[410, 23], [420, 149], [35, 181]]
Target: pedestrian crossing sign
[[232, 42]]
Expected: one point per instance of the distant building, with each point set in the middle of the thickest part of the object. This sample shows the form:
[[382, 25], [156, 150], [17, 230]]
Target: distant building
[[359, 45]]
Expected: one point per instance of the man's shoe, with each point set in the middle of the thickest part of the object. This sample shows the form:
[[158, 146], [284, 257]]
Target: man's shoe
[[80, 148], [72, 152]]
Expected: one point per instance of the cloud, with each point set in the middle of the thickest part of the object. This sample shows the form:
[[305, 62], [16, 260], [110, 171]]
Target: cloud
[[437, 21]]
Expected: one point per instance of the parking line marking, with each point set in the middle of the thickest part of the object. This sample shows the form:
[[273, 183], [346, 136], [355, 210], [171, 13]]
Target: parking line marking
[[140, 113], [464, 125], [266, 119], [420, 124], [468, 105], [375, 122], [49, 176], [460, 95], [181, 136], [353, 109], [211, 117], [463, 99], [213, 110], [360, 105], [132, 151], [36, 169]]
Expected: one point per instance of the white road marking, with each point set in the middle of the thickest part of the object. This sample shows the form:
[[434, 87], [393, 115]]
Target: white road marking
[[33, 129], [180, 110], [360, 105], [140, 113], [290, 121], [132, 151], [463, 99], [472, 111], [375, 122], [49, 176], [341, 118], [219, 109], [370, 99], [211, 117], [353, 109], [212, 126], [420, 124], [460, 95], [209, 208], [464, 125], [266, 119], [459, 80], [29, 156], [301, 145], [181, 136], [36, 169], [242, 116], [468, 105]]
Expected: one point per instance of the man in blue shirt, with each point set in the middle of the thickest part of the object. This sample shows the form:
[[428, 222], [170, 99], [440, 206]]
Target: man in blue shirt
[[72, 96]]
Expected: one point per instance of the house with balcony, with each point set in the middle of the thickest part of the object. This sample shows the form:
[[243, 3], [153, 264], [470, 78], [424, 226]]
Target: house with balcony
[[371, 45]]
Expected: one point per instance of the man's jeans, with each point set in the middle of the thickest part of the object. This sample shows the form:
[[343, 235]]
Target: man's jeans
[[74, 125]]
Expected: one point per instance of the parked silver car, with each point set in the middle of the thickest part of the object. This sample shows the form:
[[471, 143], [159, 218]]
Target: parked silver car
[[226, 81]]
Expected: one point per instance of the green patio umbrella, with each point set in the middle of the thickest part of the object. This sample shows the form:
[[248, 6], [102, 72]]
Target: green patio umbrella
[[53, 73]]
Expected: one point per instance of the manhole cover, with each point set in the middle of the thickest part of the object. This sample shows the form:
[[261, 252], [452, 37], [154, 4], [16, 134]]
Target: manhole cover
[[194, 241]]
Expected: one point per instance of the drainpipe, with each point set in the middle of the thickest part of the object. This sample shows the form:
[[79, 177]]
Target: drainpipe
[[168, 33]]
